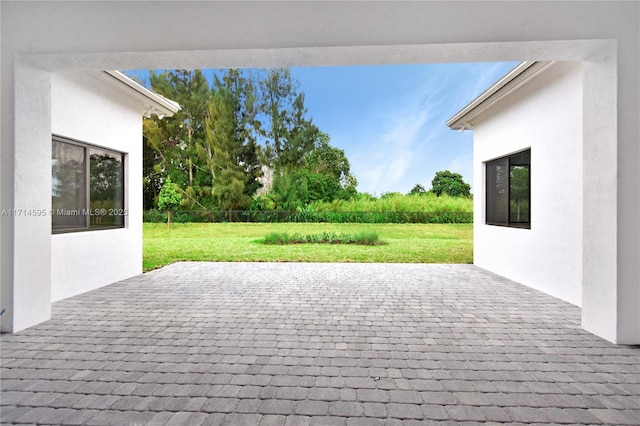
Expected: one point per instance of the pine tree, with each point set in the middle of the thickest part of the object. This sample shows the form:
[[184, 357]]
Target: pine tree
[[230, 137], [241, 94], [228, 176], [288, 134], [173, 141]]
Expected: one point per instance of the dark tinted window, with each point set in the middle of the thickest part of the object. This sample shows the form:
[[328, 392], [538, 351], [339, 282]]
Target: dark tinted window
[[68, 186], [508, 196], [106, 188], [87, 187]]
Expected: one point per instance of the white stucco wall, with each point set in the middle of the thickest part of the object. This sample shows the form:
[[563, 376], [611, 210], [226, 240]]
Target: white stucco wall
[[87, 109], [545, 115]]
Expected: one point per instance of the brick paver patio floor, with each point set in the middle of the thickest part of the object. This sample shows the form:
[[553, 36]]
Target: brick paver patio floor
[[320, 344]]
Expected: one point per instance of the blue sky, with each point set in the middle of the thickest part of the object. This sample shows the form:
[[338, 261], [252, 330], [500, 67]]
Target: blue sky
[[389, 119]]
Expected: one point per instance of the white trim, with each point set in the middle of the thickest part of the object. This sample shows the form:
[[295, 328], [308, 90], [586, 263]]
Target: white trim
[[463, 120], [154, 103]]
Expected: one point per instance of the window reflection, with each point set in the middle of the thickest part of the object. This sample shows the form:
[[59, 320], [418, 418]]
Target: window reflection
[[87, 189], [68, 186], [106, 188], [519, 194], [497, 191], [508, 192]]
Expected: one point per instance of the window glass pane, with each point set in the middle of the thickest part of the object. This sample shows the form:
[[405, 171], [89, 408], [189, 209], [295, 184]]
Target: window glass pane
[[497, 191], [520, 159], [106, 191], [519, 194], [68, 186], [508, 190]]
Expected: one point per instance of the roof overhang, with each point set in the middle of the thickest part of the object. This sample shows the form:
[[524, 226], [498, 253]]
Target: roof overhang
[[153, 103], [464, 119]]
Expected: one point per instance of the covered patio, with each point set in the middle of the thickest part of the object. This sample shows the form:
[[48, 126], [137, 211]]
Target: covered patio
[[323, 344]]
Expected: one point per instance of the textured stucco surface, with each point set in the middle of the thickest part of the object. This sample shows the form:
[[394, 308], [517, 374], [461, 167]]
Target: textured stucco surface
[[86, 109], [544, 115]]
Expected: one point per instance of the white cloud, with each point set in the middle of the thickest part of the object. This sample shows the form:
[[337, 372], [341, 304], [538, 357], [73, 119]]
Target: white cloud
[[382, 165], [403, 139]]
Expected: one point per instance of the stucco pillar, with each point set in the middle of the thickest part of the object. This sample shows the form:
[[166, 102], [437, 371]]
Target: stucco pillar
[[628, 192], [609, 298], [31, 283]]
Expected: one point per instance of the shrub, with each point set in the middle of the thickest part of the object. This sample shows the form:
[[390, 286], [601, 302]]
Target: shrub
[[369, 238], [393, 208]]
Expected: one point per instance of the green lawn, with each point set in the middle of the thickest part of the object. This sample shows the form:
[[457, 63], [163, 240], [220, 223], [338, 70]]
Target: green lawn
[[235, 242]]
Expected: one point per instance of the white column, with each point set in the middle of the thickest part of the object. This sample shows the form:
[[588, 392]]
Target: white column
[[600, 182], [31, 282]]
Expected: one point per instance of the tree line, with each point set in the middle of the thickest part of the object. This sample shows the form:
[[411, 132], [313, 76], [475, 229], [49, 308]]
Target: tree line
[[244, 142]]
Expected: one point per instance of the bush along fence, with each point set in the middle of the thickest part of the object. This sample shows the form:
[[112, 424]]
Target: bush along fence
[[277, 216]]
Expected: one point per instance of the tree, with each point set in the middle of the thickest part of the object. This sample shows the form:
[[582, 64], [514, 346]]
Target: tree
[[328, 173], [289, 190], [288, 135], [240, 92], [418, 190], [151, 172], [170, 144], [169, 198], [519, 192], [446, 182], [225, 149], [105, 177], [225, 138], [229, 149]]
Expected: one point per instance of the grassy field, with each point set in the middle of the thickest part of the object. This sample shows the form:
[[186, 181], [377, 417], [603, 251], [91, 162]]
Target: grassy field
[[398, 203], [235, 242]]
